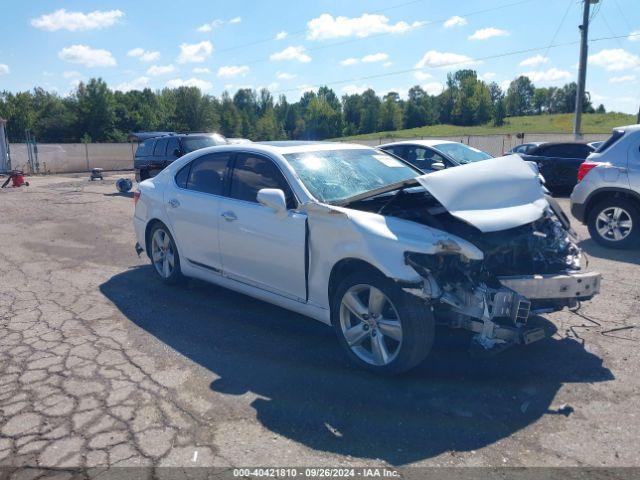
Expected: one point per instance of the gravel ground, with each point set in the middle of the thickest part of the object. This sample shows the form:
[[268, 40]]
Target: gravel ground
[[101, 364]]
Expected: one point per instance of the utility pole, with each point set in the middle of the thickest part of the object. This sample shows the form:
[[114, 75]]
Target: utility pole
[[582, 72]]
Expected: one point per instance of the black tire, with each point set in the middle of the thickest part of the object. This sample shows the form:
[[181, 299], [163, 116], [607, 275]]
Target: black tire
[[632, 239], [416, 318], [175, 276]]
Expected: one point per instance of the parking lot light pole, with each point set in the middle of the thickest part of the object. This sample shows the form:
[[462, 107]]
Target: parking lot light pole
[[582, 72]]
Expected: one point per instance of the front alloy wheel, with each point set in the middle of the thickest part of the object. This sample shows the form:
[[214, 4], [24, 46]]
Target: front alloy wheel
[[380, 327], [371, 325]]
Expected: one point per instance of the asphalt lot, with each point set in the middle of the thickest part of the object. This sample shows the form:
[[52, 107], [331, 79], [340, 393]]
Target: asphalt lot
[[101, 364]]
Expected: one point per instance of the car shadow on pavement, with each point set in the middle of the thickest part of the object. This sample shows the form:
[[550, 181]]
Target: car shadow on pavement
[[309, 394], [592, 249]]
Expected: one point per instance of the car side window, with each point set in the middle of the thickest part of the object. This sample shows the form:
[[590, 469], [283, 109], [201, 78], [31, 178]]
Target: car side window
[[172, 146], [160, 148], [145, 149], [182, 177], [207, 173], [422, 157], [252, 173]]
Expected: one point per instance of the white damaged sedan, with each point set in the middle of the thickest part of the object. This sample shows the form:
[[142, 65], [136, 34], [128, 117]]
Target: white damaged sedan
[[361, 240]]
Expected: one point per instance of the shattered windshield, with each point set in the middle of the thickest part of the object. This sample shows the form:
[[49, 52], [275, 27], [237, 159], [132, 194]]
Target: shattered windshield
[[335, 175], [462, 153]]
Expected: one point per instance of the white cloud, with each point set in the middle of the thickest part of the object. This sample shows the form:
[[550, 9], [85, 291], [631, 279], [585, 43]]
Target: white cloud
[[72, 21], [87, 56], [272, 86], [230, 71], [435, 59], [71, 74], [375, 57], [548, 76], [207, 27], [285, 76], [422, 76], [305, 88], [291, 53], [433, 88], [143, 55], [488, 76], [191, 82], [281, 35], [347, 62], [235, 20], [201, 70], [156, 70], [534, 61], [615, 59], [486, 33], [136, 84], [622, 79], [327, 26], [195, 52], [355, 89], [387, 64], [455, 21], [4, 69], [634, 36]]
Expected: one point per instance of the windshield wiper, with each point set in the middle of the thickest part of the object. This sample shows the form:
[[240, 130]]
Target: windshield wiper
[[394, 197]]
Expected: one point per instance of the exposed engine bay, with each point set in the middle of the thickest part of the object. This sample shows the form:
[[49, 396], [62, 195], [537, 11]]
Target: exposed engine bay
[[531, 268]]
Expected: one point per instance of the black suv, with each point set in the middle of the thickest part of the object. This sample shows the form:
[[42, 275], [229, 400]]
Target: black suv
[[156, 152]]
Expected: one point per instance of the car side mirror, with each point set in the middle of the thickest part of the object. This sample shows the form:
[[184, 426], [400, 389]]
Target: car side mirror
[[437, 166], [177, 153], [273, 198]]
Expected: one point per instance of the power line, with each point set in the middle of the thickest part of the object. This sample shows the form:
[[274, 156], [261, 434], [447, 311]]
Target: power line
[[553, 39], [352, 40], [452, 64]]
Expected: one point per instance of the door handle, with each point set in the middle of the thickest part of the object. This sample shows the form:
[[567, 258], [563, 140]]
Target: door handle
[[229, 216], [174, 203]]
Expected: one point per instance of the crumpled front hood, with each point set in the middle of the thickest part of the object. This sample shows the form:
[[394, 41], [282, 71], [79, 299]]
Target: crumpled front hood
[[492, 195]]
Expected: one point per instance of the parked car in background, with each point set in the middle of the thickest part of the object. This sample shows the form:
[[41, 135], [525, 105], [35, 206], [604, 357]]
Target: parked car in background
[[524, 147], [559, 162], [432, 155], [235, 141], [607, 196], [362, 240], [156, 150]]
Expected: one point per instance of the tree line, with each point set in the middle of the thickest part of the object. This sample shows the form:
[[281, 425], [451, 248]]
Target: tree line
[[94, 113]]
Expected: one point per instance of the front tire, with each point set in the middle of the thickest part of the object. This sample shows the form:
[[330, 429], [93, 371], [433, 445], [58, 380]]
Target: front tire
[[615, 223], [380, 327], [164, 255]]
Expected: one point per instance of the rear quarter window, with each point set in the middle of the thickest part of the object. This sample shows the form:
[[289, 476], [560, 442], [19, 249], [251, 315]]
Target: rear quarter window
[[145, 149], [615, 136]]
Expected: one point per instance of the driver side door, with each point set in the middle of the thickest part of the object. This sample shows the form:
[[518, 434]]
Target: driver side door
[[258, 246]]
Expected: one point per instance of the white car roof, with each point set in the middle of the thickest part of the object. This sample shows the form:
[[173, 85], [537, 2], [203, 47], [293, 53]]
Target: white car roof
[[284, 147], [424, 143], [629, 128]]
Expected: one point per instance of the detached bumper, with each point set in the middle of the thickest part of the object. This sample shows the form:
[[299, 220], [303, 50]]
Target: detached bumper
[[570, 287]]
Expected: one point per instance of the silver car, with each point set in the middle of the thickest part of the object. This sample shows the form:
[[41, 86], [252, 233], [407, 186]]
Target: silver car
[[607, 196]]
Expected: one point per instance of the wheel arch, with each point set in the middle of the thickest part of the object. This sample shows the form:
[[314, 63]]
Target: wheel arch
[[609, 192], [345, 267], [147, 233]]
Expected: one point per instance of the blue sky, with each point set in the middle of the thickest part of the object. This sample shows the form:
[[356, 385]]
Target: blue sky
[[290, 46]]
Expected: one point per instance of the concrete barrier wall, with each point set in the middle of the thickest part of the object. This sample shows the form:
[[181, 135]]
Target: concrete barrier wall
[[74, 157], [81, 157]]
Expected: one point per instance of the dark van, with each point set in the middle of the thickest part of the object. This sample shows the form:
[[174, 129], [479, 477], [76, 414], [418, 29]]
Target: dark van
[[156, 152]]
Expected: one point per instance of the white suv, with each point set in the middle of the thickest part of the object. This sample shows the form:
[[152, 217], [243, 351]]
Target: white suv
[[361, 240], [607, 196]]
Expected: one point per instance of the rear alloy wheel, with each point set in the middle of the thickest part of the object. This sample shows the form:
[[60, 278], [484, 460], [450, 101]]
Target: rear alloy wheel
[[382, 328], [615, 223], [164, 255]]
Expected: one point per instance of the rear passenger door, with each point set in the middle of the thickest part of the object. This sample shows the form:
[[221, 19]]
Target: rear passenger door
[[192, 202], [258, 246]]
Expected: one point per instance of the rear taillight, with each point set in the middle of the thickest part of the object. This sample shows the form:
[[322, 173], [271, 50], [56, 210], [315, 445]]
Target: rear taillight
[[136, 197], [585, 167]]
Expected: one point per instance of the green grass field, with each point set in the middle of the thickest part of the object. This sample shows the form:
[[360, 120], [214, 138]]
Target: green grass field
[[559, 123]]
